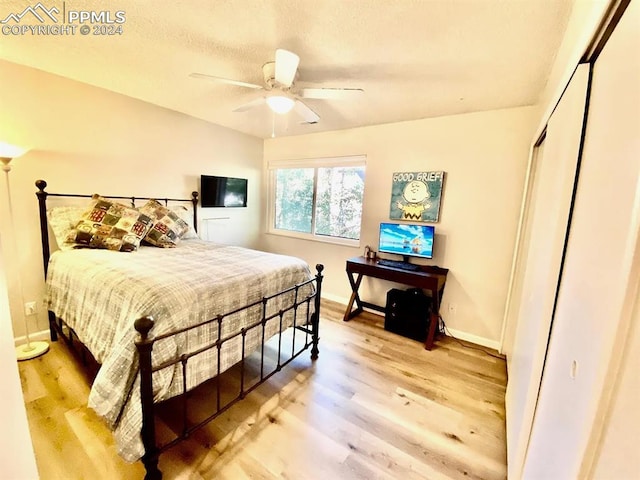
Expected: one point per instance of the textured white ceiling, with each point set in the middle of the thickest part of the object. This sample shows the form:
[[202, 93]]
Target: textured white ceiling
[[413, 58]]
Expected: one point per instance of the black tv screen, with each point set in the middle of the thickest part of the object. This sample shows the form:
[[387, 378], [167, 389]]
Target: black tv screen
[[407, 240], [223, 191]]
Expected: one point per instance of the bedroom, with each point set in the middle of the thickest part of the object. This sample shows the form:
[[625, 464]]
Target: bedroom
[[171, 150]]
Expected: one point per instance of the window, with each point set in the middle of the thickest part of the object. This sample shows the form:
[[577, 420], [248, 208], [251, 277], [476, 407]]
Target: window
[[319, 199]]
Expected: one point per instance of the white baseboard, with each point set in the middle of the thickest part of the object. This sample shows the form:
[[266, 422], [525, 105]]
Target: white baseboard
[[344, 301], [475, 339], [42, 336], [468, 337], [335, 298]]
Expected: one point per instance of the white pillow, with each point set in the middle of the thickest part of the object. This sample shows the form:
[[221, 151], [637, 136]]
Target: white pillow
[[185, 214], [62, 221]]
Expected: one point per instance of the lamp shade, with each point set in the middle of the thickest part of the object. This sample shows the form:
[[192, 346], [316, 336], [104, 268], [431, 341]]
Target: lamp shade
[[280, 104], [8, 151]]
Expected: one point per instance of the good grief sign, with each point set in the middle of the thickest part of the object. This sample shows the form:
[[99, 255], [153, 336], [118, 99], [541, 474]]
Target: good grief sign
[[419, 176]]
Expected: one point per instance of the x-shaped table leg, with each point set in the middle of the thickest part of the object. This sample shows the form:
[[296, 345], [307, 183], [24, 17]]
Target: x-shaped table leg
[[355, 285]]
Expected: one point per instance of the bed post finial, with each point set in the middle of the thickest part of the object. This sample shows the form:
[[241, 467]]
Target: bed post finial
[[143, 326], [194, 200], [41, 184]]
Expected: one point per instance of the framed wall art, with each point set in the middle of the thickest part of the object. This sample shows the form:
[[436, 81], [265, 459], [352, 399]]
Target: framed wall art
[[416, 196]]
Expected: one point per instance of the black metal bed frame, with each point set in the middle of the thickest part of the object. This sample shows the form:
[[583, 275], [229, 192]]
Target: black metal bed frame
[[146, 340]]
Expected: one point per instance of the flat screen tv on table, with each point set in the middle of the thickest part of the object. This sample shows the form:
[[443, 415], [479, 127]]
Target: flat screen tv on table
[[406, 240], [223, 191]]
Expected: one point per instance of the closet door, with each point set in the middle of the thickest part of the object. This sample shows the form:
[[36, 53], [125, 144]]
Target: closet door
[[600, 274], [548, 215], [522, 255]]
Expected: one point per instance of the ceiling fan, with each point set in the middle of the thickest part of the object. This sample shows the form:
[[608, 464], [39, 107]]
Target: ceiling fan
[[281, 93]]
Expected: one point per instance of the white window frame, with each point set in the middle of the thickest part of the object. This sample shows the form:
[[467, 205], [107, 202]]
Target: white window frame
[[273, 165]]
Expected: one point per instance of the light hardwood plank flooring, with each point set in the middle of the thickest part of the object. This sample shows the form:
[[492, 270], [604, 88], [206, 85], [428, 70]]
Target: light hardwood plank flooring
[[373, 406]]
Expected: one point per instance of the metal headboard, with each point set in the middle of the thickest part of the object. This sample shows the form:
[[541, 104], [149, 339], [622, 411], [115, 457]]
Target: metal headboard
[[42, 203]]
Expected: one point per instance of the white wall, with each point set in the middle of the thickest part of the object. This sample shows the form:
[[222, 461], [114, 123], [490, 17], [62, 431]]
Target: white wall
[[617, 455], [16, 450], [484, 156], [84, 140]]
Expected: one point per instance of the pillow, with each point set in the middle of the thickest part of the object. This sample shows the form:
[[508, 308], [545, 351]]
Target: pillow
[[63, 221], [167, 227], [186, 214], [111, 225]]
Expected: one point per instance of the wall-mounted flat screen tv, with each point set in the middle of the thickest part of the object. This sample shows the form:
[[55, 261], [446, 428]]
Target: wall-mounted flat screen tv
[[223, 191], [407, 240]]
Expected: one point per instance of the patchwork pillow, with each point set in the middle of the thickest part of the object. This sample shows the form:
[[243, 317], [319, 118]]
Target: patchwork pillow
[[168, 228], [186, 214], [63, 221], [111, 225]]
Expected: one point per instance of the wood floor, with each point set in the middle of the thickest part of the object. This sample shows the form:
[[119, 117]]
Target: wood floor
[[373, 406]]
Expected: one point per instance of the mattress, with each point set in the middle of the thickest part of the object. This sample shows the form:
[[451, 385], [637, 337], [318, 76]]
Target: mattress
[[100, 294]]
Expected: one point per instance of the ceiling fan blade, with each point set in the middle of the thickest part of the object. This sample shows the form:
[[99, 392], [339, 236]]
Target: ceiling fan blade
[[330, 93], [286, 66], [224, 80], [249, 105], [305, 112]]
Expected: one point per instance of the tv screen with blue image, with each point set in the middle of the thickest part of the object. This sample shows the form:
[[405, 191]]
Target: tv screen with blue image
[[407, 240]]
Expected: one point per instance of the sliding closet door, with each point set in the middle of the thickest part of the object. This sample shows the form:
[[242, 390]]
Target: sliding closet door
[[522, 255], [548, 214], [600, 274]]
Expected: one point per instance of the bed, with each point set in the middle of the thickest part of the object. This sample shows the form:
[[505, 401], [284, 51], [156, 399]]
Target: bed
[[162, 321]]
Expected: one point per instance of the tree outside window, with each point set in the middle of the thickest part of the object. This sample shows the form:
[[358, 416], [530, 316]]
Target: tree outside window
[[320, 201]]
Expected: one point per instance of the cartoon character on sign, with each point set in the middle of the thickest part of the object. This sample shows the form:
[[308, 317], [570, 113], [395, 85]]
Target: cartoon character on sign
[[417, 196]]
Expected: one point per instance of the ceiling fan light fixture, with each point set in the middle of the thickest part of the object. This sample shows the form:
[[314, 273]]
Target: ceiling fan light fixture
[[280, 104]]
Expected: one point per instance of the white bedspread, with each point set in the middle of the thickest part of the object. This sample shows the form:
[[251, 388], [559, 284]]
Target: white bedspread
[[100, 294]]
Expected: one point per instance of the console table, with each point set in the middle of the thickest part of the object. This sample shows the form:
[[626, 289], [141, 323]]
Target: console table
[[429, 278]]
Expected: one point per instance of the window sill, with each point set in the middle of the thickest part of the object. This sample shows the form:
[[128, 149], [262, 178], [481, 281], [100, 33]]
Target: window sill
[[346, 242]]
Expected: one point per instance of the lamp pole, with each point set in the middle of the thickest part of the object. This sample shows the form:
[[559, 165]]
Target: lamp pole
[[30, 349]]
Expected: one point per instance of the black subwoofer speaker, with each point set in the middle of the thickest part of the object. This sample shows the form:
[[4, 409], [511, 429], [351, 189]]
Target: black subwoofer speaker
[[407, 313]]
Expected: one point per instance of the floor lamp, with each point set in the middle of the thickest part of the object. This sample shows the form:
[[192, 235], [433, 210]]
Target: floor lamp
[[30, 349]]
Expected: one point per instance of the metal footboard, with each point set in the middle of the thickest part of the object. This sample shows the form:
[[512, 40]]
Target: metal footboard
[[305, 305]]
